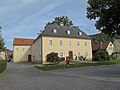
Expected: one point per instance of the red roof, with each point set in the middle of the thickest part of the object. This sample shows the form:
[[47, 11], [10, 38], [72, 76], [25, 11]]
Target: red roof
[[23, 41], [100, 46]]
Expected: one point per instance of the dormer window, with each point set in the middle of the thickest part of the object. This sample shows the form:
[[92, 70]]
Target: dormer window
[[80, 33], [68, 32], [54, 31]]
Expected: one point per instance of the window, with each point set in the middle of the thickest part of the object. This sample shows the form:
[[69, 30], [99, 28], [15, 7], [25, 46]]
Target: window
[[23, 58], [16, 49], [17, 57], [85, 43], [61, 42], [80, 33], [29, 49], [78, 43], [23, 49], [86, 53], [68, 32], [109, 48], [50, 42], [61, 54], [54, 30], [78, 54], [70, 43]]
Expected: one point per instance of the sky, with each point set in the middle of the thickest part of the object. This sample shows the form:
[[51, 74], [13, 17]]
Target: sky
[[26, 18]]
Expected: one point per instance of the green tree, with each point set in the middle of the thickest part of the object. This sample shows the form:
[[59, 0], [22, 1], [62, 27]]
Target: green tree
[[61, 20], [107, 14], [2, 43], [101, 55], [52, 57]]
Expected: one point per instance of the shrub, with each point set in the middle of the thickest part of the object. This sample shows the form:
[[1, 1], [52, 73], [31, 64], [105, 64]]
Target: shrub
[[52, 57], [3, 65], [101, 55]]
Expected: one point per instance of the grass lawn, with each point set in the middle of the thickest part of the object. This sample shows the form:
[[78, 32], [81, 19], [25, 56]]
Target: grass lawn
[[109, 62], [74, 64], [3, 65]]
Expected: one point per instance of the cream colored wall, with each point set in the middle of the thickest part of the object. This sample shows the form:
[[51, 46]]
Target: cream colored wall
[[65, 48], [20, 55], [36, 51], [117, 46], [110, 48]]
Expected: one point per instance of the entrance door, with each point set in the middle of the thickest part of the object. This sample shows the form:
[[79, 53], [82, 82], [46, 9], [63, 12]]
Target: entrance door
[[71, 55], [29, 57]]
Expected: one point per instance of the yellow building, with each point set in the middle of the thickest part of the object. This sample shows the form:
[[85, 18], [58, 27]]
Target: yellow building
[[66, 41], [22, 49]]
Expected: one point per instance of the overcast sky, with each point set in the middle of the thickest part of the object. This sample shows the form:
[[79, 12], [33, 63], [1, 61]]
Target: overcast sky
[[25, 18]]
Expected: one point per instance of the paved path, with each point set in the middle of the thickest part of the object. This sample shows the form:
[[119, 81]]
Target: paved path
[[25, 77]]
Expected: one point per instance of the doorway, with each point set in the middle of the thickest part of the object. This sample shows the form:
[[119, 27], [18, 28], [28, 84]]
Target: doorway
[[29, 58], [71, 55]]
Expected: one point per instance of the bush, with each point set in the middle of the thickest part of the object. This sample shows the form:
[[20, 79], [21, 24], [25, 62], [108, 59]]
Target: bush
[[101, 55], [3, 65], [52, 57]]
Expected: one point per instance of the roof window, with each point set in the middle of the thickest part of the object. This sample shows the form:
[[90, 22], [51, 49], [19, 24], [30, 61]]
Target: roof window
[[54, 31], [80, 33], [68, 31]]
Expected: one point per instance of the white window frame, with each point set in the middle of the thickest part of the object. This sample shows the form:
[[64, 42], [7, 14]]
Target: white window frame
[[78, 43], [86, 54], [70, 43], [61, 54], [50, 42], [86, 43], [61, 42], [23, 49], [17, 49], [78, 54]]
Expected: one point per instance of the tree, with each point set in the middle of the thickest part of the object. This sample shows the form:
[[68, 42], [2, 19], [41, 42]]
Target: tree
[[52, 57], [61, 20], [101, 55], [106, 12], [101, 37], [2, 43]]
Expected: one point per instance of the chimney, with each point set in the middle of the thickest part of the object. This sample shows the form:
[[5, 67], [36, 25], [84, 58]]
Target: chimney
[[101, 44]]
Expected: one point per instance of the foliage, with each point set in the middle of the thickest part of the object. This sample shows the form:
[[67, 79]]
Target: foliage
[[106, 12], [3, 65], [61, 20], [101, 55], [2, 43], [97, 38], [64, 20], [52, 57]]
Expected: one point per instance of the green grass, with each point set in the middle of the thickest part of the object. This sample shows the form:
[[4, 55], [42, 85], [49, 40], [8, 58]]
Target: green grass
[[109, 62], [3, 65], [48, 67], [74, 64]]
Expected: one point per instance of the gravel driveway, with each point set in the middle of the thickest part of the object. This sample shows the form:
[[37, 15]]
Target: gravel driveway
[[22, 76]]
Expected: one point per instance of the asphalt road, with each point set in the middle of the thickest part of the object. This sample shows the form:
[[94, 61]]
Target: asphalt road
[[22, 76]]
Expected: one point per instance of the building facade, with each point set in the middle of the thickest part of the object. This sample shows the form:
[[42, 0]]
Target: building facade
[[116, 53], [22, 49], [66, 41], [108, 46]]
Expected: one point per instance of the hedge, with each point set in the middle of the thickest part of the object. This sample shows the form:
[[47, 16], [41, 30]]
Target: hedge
[[3, 65]]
